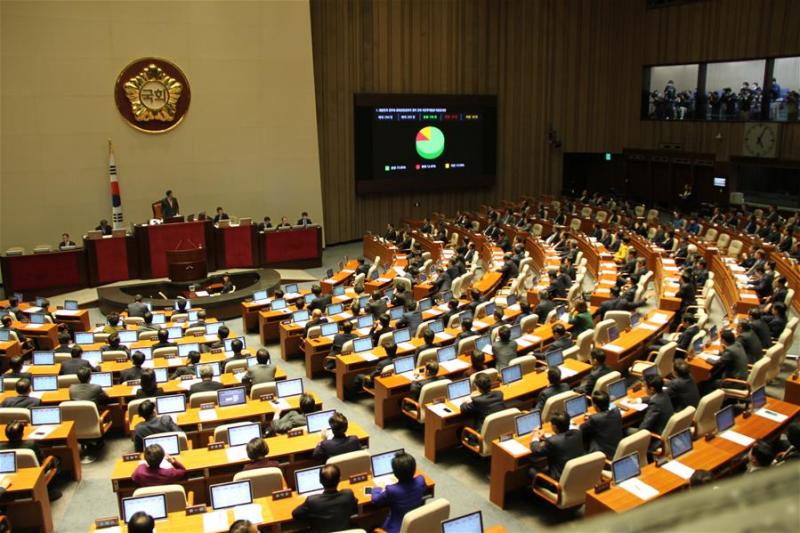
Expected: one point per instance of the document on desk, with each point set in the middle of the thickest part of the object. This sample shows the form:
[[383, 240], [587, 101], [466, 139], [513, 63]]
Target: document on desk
[[659, 318], [34, 326], [533, 339], [523, 343], [444, 336], [280, 404], [236, 453], [206, 415], [42, 431], [64, 312], [638, 406], [441, 410], [367, 356], [408, 375], [347, 270], [149, 363], [566, 372], [738, 438], [771, 415], [187, 384], [477, 324], [454, 365], [383, 280], [215, 521], [251, 512], [202, 294], [679, 469], [648, 327], [406, 346], [709, 357], [37, 394], [639, 488], [613, 348], [514, 448]]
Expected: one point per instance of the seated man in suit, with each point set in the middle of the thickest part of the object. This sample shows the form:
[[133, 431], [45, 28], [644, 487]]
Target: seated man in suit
[[74, 363], [222, 334], [221, 215], [164, 342], [562, 339], [602, 430], [315, 320], [201, 319], [207, 383], [304, 219], [137, 308], [113, 324], [749, 341], [148, 386], [104, 227], [262, 372], [486, 403], [431, 375], [293, 419], [113, 344], [320, 301], [169, 206], [555, 387], [684, 338], [151, 424], [379, 327], [411, 318], [23, 397], [504, 349], [659, 409], [682, 389], [599, 369], [466, 329], [148, 323], [732, 361], [135, 371], [760, 327], [227, 284], [66, 243], [331, 510], [64, 343], [376, 305], [83, 390], [265, 224], [15, 369], [236, 349], [339, 339], [429, 340], [339, 442], [564, 445], [192, 360]]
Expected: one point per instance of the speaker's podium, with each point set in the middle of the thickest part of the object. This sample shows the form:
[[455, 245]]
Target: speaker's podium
[[187, 265]]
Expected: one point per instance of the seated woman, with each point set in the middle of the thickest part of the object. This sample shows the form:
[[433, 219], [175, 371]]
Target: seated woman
[[257, 451], [148, 388], [403, 496]]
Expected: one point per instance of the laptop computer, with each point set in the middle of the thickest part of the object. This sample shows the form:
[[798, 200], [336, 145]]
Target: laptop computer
[[184, 349], [175, 332], [84, 337], [396, 313], [468, 523], [229, 343], [154, 505], [289, 387], [8, 462], [260, 295], [215, 368], [306, 481], [381, 466], [328, 329], [171, 404], [231, 396], [37, 318], [613, 333], [338, 290], [459, 391], [95, 357], [104, 379], [161, 375], [45, 415], [680, 443], [316, 422], [365, 321], [725, 418], [447, 353], [241, 435], [758, 398], [404, 364], [159, 318], [334, 309], [626, 468], [300, 316], [213, 328], [41, 357], [278, 304], [44, 383], [70, 305], [362, 345], [576, 406], [510, 374], [291, 289], [554, 358], [169, 443], [527, 423], [233, 494], [401, 335], [127, 337], [617, 389]]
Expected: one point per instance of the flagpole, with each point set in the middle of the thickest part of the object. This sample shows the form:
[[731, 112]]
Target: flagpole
[[116, 199]]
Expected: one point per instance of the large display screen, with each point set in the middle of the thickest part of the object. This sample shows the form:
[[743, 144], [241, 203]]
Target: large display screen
[[405, 143]]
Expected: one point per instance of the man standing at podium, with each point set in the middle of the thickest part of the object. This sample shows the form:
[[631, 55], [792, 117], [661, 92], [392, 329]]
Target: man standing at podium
[[169, 206]]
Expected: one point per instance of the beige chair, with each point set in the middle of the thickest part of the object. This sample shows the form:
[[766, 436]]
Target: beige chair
[[183, 441], [480, 310], [177, 500], [314, 332], [430, 392], [133, 409], [67, 380], [132, 320], [711, 235], [585, 343], [529, 323], [426, 518], [10, 414], [601, 216], [575, 224], [705, 416], [195, 331], [426, 356], [221, 432], [603, 382], [636, 443], [723, 241], [264, 481], [148, 335], [15, 250], [662, 358], [113, 355], [676, 423], [260, 389], [639, 211], [494, 376], [199, 398], [235, 364], [555, 404], [586, 212], [386, 339], [579, 475], [493, 427], [101, 337], [90, 424], [347, 347], [403, 282], [601, 331], [467, 344], [527, 363], [776, 354], [622, 319], [26, 458], [351, 463], [735, 248], [741, 389], [165, 351]]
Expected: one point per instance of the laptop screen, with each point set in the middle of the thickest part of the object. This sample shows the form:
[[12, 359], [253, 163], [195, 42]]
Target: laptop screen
[[468, 523], [512, 373], [382, 462], [555, 358], [404, 364], [613, 333], [192, 316], [232, 396], [229, 343], [161, 375], [45, 415], [70, 305], [526, 423], [437, 326], [259, 295], [84, 337], [40, 301], [128, 336], [425, 304], [448, 353], [446, 296], [318, 421], [680, 443], [45, 383], [239, 435], [511, 300], [725, 418], [458, 389], [291, 289], [37, 318], [651, 370], [8, 462], [101, 378], [307, 480], [232, 494], [184, 349], [277, 305], [147, 352], [333, 309], [338, 290], [576, 406], [401, 335], [617, 389], [174, 403], [5, 335], [516, 332], [289, 387], [635, 318], [213, 328], [154, 505], [309, 298], [43, 358], [175, 332], [697, 347], [759, 398], [169, 443], [331, 328], [366, 321], [95, 357], [300, 316], [626, 468], [362, 345], [482, 342], [159, 318], [395, 313], [215, 368]]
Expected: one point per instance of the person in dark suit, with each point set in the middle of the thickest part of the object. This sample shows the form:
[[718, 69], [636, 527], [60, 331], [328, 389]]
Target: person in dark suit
[[169, 206], [104, 227], [544, 306], [148, 385], [293, 419], [114, 344], [227, 284], [67, 244], [555, 387], [83, 390], [659, 406], [320, 301], [485, 404], [760, 328], [390, 234], [315, 320], [599, 369], [443, 281], [164, 342], [137, 308], [564, 445], [304, 219], [411, 319], [192, 360], [431, 375], [135, 371], [23, 397], [207, 382], [732, 361], [509, 269], [682, 389], [603, 430], [562, 339], [403, 496], [331, 510], [610, 304], [504, 349], [339, 442], [379, 327], [151, 424], [74, 363], [362, 268], [148, 323], [263, 372], [236, 349], [64, 343], [15, 369], [777, 321], [684, 338], [376, 305], [339, 339], [749, 341], [428, 342], [221, 215], [265, 225]]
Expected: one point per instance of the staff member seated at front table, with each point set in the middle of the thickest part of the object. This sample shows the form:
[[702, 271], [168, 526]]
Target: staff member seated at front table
[[221, 215], [104, 227], [304, 219], [152, 474], [331, 510], [403, 496], [66, 243], [339, 443]]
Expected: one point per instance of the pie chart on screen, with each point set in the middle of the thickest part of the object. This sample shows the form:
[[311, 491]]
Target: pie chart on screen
[[430, 142]]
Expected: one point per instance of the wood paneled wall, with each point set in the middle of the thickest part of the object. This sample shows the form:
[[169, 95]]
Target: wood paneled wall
[[573, 65]]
